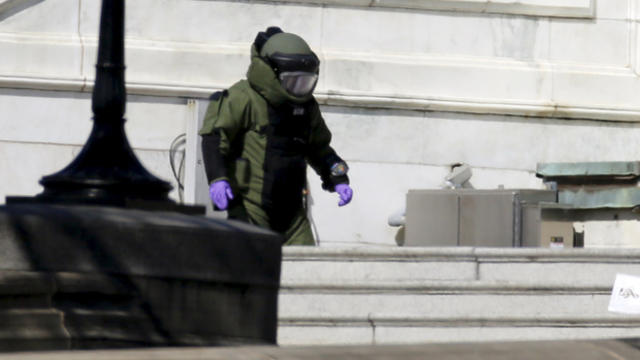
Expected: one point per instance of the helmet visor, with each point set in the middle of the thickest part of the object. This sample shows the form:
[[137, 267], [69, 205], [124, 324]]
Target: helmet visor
[[298, 83]]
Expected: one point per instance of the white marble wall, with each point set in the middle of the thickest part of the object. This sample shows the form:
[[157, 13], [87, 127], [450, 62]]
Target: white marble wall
[[408, 87], [42, 131]]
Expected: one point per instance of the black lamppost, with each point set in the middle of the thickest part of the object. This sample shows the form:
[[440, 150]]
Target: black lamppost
[[106, 171]]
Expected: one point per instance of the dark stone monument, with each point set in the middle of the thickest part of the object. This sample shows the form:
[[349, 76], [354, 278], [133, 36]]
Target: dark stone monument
[[102, 258]]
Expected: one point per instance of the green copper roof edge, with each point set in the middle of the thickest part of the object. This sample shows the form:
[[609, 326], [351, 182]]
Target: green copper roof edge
[[593, 199], [586, 169]]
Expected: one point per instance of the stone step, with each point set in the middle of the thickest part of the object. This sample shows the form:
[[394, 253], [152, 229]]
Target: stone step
[[444, 302], [534, 266], [415, 295], [548, 350], [423, 333]]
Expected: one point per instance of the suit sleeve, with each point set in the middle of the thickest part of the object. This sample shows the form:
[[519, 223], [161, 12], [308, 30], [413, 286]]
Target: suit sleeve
[[223, 122], [322, 157]]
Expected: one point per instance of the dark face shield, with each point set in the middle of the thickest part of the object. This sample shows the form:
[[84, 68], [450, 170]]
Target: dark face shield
[[298, 83], [298, 73]]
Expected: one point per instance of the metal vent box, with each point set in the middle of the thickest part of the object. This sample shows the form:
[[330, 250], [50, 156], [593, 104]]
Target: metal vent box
[[469, 217]]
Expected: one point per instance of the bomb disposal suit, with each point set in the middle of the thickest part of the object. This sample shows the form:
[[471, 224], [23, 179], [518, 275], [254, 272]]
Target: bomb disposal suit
[[259, 135]]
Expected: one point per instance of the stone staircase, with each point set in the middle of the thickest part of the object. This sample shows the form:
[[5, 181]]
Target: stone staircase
[[420, 295]]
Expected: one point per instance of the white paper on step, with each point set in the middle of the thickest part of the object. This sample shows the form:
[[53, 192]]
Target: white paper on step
[[625, 296]]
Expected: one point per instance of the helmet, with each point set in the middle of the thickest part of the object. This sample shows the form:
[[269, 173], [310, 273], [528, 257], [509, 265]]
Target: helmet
[[292, 60]]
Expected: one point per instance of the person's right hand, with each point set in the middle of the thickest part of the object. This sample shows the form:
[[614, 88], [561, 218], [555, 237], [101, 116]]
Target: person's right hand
[[220, 193]]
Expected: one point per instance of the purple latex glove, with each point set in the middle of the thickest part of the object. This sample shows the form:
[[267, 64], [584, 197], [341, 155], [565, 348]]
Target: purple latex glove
[[345, 193], [220, 193]]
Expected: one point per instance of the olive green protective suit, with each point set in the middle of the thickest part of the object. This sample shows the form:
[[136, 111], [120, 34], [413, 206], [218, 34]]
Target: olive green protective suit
[[260, 139]]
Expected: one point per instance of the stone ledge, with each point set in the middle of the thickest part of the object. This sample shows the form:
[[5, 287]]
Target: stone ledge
[[380, 335], [550, 350], [456, 322], [349, 99], [544, 88], [556, 8], [425, 269], [454, 306], [300, 253], [436, 287], [43, 237]]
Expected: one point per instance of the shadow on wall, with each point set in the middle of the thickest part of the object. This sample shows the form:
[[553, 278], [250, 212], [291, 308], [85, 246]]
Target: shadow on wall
[[8, 8], [400, 236]]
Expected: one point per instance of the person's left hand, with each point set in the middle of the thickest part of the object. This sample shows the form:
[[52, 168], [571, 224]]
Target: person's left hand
[[345, 193]]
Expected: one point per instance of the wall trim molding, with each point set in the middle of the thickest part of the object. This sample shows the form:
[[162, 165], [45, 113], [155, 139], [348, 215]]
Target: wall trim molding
[[352, 99], [537, 89], [552, 8]]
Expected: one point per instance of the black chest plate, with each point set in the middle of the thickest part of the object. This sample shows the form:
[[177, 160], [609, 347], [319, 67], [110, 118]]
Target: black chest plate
[[285, 163]]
